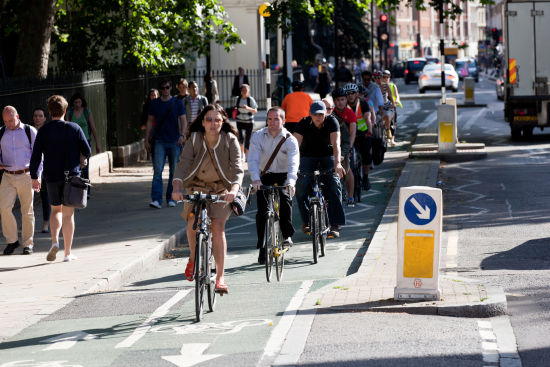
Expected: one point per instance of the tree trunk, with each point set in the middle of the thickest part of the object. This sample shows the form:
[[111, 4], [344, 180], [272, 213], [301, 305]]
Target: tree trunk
[[33, 49]]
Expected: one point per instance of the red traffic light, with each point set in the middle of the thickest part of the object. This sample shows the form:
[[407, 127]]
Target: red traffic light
[[415, 44], [383, 18], [494, 29], [392, 44]]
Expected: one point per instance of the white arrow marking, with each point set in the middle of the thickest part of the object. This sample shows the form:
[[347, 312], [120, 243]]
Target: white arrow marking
[[191, 354], [424, 212], [67, 341]]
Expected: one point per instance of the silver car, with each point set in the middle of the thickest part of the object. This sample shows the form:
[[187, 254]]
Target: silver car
[[431, 78]]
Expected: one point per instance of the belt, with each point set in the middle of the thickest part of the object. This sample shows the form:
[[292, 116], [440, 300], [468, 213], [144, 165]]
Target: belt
[[21, 171]]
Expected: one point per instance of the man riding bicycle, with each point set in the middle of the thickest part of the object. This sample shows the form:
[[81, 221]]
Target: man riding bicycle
[[281, 170], [364, 128], [344, 113], [318, 138]]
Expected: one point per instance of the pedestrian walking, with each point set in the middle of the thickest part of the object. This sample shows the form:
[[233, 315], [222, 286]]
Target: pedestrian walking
[[39, 119], [240, 79], [246, 109], [164, 139], [271, 163], [61, 143], [16, 145], [183, 88], [194, 102], [211, 164], [323, 82], [210, 88]]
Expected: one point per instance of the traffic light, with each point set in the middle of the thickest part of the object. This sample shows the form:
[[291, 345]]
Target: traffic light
[[495, 34], [383, 33]]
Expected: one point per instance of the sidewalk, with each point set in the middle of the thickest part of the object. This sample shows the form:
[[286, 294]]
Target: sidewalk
[[116, 238]]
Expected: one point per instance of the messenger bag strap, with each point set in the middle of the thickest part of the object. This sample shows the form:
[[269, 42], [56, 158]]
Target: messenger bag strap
[[273, 155]]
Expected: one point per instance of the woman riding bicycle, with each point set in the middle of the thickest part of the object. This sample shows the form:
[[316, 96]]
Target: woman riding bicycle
[[210, 163]]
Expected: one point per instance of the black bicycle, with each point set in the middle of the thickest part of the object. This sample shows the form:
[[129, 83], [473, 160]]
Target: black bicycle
[[204, 270], [273, 237], [318, 215]]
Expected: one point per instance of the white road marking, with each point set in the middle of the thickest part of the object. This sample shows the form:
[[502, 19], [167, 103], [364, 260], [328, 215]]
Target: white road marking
[[430, 119], [191, 354], [472, 120], [228, 327], [151, 320], [509, 208], [67, 341], [278, 335], [498, 342]]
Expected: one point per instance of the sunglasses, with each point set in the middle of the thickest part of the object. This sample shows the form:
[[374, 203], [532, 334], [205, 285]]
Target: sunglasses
[[165, 87], [209, 119]]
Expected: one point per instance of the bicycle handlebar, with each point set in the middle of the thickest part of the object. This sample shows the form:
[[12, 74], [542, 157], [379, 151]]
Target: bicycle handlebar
[[326, 172], [272, 187], [201, 196]]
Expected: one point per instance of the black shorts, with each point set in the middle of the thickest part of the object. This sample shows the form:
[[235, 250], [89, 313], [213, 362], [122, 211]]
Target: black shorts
[[55, 192]]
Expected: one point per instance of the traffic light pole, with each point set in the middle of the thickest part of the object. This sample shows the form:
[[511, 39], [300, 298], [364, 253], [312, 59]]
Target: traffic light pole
[[442, 50]]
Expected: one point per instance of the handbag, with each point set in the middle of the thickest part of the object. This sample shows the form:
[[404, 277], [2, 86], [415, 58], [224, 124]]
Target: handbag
[[75, 191], [234, 113]]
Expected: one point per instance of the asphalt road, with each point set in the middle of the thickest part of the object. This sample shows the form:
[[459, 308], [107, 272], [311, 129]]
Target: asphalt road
[[150, 322]]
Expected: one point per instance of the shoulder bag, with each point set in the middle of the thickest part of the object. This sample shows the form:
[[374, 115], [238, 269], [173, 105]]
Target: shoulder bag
[[273, 155], [75, 188]]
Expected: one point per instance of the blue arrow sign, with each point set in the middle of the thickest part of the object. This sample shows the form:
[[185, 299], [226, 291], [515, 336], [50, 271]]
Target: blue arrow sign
[[420, 209]]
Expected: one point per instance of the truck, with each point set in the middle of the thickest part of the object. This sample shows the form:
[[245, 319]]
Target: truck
[[526, 30]]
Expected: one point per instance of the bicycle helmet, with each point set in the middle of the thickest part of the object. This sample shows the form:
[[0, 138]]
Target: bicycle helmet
[[297, 85], [338, 92], [351, 88], [377, 74], [362, 89]]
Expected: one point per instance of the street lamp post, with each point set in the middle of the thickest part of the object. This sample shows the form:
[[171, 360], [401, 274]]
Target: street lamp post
[[265, 14], [442, 50]]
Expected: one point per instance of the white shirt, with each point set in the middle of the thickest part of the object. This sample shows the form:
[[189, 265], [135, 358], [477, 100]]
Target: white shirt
[[287, 160]]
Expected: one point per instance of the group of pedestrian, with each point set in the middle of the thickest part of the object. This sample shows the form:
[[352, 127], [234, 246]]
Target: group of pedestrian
[[42, 160]]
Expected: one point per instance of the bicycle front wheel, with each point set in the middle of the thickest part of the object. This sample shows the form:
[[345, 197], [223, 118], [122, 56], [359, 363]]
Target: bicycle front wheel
[[279, 260], [268, 246], [199, 276], [210, 267], [314, 225]]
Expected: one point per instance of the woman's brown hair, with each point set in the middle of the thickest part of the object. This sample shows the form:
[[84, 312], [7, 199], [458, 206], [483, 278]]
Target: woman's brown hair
[[196, 125]]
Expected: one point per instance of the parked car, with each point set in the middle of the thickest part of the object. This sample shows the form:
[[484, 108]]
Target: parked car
[[413, 68], [473, 70], [430, 78], [398, 70], [500, 87]]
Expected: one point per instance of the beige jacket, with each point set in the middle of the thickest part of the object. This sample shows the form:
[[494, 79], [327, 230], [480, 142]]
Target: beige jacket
[[227, 157]]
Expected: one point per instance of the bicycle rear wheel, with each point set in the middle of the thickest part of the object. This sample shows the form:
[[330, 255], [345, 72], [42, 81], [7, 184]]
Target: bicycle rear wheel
[[268, 246], [314, 225], [322, 228], [199, 277], [210, 274], [279, 260]]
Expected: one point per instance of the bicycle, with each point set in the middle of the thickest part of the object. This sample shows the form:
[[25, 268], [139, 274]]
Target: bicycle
[[273, 237], [318, 215], [204, 270]]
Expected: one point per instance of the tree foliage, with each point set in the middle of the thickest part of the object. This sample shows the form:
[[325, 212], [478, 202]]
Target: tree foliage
[[152, 34]]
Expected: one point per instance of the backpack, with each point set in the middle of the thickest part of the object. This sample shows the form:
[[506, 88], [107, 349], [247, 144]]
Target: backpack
[[86, 116], [378, 150]]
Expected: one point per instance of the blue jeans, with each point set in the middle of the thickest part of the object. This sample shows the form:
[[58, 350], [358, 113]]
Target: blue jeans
[[163, 150], [332, 190]]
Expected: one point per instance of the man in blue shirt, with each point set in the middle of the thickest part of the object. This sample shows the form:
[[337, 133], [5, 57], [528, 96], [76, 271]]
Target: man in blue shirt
[[166, 126], [15, 154], [61, 143], [373, 92]]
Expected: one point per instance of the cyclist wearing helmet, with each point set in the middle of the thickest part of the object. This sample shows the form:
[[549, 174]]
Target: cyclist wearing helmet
[[388, 109], [296, 105], [345, 114], [364, 127]]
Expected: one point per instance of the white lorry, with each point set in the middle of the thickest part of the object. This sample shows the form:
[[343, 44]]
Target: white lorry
[[527, 58]]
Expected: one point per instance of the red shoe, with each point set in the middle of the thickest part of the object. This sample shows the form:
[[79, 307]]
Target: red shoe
[[189, 271], [221, 288]]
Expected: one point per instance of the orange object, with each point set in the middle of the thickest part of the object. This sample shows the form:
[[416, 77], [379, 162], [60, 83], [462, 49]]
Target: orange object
[[296, 106], [513, 71]]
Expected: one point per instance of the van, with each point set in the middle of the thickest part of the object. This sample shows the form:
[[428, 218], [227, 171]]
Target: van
[[413, 68]]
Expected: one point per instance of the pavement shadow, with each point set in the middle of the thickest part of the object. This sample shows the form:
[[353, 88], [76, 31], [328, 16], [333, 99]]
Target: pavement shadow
[[530, 255]]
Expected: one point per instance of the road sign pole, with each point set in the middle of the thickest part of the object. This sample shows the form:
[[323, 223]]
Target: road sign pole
[[419, 227]]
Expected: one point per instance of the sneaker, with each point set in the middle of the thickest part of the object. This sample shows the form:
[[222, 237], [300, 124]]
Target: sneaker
[[27, 250], [288, 243], [189, 270], [334, 232], [171, 203], [155, 204], [11, 247], [351, 202], [52, 252], [70, 257], [306, 229]]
